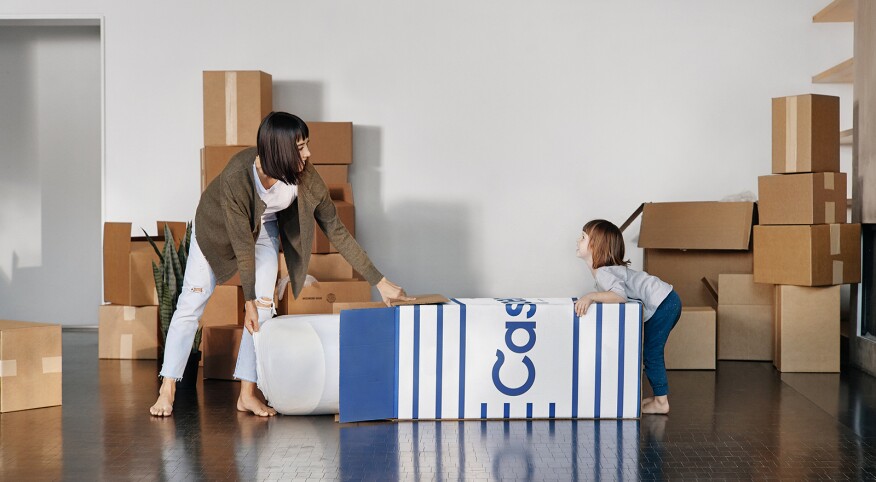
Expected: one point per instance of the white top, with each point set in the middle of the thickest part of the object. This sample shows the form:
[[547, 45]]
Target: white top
[[279, 197], [634, 285]]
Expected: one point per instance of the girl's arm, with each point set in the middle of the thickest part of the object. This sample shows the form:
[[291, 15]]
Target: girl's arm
[[599, 297]]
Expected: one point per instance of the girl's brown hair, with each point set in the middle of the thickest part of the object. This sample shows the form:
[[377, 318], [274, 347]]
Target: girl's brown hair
[[277, 143], [606, 243]]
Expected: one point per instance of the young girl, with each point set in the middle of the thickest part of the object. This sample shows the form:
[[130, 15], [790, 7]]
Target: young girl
[[601, 246]]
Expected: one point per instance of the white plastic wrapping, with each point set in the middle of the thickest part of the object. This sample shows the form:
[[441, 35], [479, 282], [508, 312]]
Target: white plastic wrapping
[[297, 359]]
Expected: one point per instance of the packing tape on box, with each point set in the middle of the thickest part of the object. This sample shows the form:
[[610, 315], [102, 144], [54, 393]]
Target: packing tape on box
[[835, 239], [52, 364], [830, 212], [8, 368], [129, 313], [828, 181], [790, 134], [126, 346], [837, 272], [231, 108]]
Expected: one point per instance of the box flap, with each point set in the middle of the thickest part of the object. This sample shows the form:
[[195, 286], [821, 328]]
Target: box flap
[[422, 300], [116, 269], [177, 229], [697, 225], [368, 352]]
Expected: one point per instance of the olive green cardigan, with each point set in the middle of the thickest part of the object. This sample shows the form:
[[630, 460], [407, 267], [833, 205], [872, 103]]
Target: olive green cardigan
[[228, 221]]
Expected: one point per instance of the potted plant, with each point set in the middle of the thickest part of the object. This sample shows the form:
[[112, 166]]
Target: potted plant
[[169, 273]]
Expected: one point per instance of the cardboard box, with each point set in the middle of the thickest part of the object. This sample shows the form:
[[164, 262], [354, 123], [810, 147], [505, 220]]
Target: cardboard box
[[213, 161], [226, 307], [128, 332], [819, 255], [362, 305], [807, 329], [745, 318], [691, 344], [235, 102], [333, 173], [684, 242], [329, 267], [220, 347], [491, 359], [806, 134], [815, 198], [127, 266], [342, 195], [331, 142], [30, 365], [320, 297]]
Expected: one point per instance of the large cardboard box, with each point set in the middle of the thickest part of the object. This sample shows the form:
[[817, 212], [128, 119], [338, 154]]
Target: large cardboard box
[[686, 241], [491, 359], [30, 365], [235, 102], [807, 329], [220, 347], [213, 161], [819, 255], [342, 195], [333, 173], [745, 318], [128, 332], [331, 142], [691, 344], [815, 198], [318, 298], [329, 266], [225, 307], [127, 266], [806, 134]]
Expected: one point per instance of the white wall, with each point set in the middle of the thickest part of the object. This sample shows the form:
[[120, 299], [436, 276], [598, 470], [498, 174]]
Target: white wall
[[487, 132], [51, 174]]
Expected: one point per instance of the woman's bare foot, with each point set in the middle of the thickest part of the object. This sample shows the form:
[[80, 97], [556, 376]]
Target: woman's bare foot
[[249, 402], [658, 405], [164, 405]]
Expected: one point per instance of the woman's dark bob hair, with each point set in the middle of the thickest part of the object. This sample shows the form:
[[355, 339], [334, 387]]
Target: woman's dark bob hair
[[278, 138]]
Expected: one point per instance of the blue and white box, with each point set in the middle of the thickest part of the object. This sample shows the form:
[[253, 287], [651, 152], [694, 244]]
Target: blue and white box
[[485, 358]]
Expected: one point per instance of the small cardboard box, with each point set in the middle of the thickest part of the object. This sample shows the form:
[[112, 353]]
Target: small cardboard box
[[807, 329], [235, 102], [806, 134], [745, 318], [127, 266], [342, 195], [333, 173], [818, 255], [226, 307], [30, 365], [220, 347], [319, 298], [329, 266], [686, 241], [331, 142], [691, 344], [213, 161], [128, 332], [814, 198]]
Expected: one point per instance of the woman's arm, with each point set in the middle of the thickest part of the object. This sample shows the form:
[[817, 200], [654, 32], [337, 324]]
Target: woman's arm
[[599, 297]]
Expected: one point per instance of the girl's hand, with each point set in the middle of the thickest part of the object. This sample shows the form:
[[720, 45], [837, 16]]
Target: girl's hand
[[582, 304], [390, 292], [251, 317]]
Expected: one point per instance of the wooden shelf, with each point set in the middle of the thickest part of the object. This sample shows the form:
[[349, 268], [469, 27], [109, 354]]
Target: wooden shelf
[[846, 137], [836, 11], [843, 73]]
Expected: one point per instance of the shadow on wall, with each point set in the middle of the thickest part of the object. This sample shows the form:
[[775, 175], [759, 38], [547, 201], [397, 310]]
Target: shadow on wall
[[302, 98]]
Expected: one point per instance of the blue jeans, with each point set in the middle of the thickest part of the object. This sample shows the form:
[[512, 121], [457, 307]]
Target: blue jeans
[[657, 330]]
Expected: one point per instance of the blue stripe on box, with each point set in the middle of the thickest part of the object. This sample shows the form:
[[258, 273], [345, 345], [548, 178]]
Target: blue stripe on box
[[552, 410], [639, 366], [415, 411], [598, 381], [439, 361], [397, 358], [368, 343], [506, 410], [483, 410], [575, 348], [461, 358], [620, 361], [529, 410]]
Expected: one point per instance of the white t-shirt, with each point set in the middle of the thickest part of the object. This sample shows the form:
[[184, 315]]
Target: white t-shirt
[[279, 197], [634, 285]]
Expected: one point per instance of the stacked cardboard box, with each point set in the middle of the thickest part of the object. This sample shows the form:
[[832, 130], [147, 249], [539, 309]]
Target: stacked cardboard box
[[30, 365], [803, 240]]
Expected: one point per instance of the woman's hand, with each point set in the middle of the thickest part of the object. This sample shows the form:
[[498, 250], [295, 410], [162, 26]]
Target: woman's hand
[[582, 304], [251, 317], [390, 292]]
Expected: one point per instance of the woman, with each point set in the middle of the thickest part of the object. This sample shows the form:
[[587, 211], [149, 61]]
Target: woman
[[265, 196]]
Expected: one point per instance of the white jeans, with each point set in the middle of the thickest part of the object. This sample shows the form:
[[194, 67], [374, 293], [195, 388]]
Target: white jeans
[[198, 285]]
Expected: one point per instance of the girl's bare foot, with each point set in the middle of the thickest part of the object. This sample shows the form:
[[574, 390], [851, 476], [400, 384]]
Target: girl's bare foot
[[164, 405], [249, 402], [658, 405]]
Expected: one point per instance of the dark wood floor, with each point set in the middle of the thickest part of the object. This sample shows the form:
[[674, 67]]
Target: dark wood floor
[[744, 421]]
